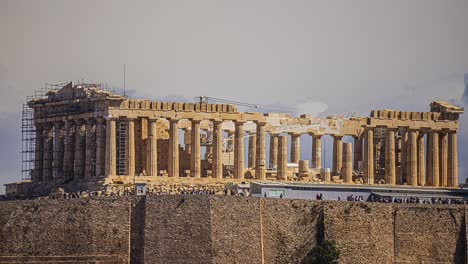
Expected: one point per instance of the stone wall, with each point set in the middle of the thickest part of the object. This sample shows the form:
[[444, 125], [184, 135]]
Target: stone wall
[[363, 231], [91, 228], [290, 229], [177, 229], [227, 229], [438, 234]]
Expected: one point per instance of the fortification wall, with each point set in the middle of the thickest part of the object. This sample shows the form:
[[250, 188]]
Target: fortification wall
[[430, 234], [51, 229], [363, 231], [177, 229], [220, 229]]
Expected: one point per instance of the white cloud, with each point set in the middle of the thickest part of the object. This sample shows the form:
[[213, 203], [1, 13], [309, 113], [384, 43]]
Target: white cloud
[[311, 106]]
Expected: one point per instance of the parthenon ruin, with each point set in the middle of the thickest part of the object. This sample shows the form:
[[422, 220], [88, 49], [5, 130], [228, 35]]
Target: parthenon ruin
[[87, 136]]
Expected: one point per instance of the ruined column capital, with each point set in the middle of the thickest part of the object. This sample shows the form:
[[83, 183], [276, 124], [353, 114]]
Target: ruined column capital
[[216, 121], [173, 120], [58, 124], [338, 136], [195, 120], [295, 134], [315, 134], [239, 122]]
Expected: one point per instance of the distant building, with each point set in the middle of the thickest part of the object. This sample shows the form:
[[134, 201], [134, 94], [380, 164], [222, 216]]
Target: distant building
[[18, 188], [342, 191]]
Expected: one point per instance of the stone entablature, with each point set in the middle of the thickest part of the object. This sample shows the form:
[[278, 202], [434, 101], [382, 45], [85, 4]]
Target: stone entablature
[[177, 107]]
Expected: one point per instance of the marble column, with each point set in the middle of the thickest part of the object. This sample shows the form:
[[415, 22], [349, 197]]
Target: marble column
[[260, 166], [195, 161], [48, 152], [38, 153], [152, 149], [295, 147], [100, 146], [390, 163], [429, 177], [57, 172], [217, 165], [187, 145], [433, 170], [130, 161], [173, 158], [347, 172], [252, 150], [273, 150], [403, 156], [317, 151], [90, 148], [413, 158], [282, 157], [111, 148], [69, 151], [443, 165], [230, 141], [452, 159], [337, 153], [239, 151], [357, 151], [421, 163], [369, 157], [80, 149]]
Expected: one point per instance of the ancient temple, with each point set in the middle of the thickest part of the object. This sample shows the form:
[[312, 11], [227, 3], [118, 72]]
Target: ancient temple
[[88, 136]]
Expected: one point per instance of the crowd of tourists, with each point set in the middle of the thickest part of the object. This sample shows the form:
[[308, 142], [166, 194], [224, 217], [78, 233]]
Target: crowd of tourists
[[415, 200]]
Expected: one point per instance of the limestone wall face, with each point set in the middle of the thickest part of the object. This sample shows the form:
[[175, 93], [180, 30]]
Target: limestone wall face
[[177, 230], [227, 229], [363, 231], [81, 227], [290, 229], [235, 230], [437, 234]]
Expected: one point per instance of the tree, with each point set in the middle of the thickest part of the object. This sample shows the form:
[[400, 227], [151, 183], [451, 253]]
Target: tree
[[325, 252]]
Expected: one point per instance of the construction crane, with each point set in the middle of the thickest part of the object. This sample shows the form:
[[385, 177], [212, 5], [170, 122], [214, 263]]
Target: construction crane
[[207, 99]]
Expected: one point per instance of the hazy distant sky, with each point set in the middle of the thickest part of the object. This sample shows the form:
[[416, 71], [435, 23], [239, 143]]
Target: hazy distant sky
[[332, 56]]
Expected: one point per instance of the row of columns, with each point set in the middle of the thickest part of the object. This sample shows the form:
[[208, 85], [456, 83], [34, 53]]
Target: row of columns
[[69, 149], [438, 167], [85, 148], [195, 149]]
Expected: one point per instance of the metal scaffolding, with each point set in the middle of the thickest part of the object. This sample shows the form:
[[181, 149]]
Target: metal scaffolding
[[121, 136], [28, 129]]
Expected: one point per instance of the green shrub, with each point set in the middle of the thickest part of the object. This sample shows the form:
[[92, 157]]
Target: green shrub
[[325, 252]]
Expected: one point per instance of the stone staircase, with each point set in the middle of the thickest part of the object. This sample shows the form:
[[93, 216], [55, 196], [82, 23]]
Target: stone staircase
[[102, 259]]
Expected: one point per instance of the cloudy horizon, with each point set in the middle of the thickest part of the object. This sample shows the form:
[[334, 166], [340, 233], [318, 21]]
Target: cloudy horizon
[[321, 57]]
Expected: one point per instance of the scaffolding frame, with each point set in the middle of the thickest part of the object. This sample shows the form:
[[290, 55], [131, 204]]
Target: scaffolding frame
[[121, 136], [28, 129], [380, 135]]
